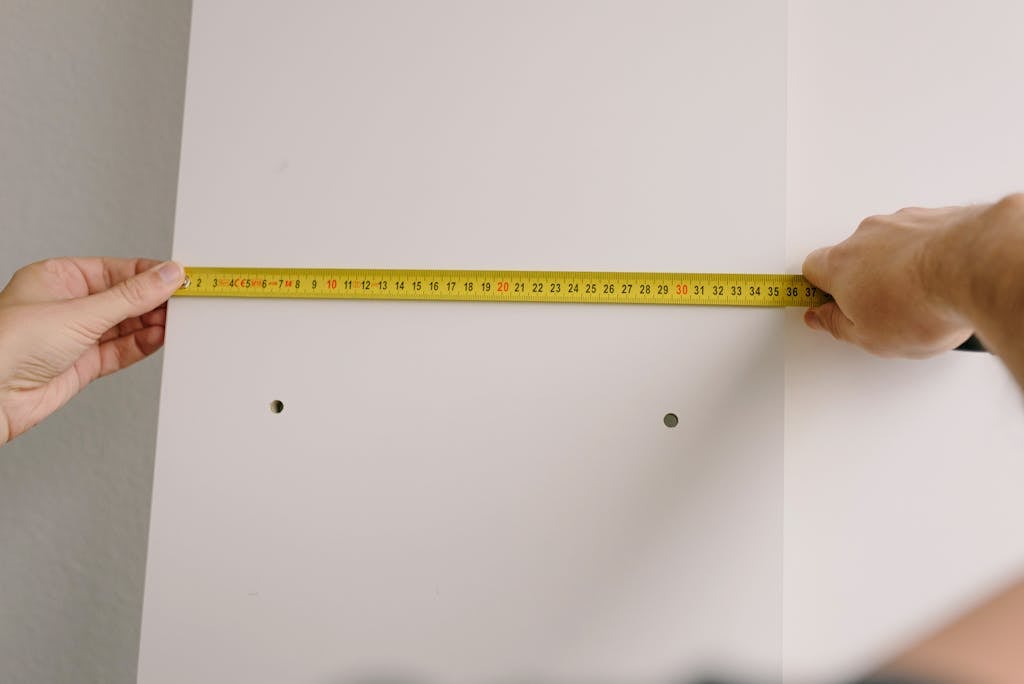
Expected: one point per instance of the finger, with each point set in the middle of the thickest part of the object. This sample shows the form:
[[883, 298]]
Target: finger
[[72, 277], [122, 352], [135, 296], [157, 316], [830, 318], [125, 327], [102, 273], [816, 268]]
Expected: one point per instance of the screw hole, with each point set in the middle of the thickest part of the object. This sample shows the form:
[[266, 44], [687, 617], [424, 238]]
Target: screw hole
[[276, 406], [670, 420]]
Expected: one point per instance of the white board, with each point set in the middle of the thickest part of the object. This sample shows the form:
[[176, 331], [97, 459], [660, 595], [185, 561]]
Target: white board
[[903, 478], [473, 492]]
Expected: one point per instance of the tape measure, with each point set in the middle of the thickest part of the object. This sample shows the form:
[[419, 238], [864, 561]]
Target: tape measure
[[708, 289]]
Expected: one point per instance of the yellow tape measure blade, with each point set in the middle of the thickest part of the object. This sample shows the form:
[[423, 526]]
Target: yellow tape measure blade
[[707, 289]]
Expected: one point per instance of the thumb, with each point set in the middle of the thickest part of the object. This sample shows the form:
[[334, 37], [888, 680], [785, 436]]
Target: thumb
[[830, 317], [817, 269], [134, 296]]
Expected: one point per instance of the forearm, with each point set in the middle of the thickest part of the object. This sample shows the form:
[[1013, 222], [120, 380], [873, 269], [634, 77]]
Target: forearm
[[982, 646], [976, 267]]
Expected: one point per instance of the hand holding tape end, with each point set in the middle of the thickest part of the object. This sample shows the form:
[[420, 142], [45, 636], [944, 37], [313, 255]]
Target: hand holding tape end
[[971, 344]]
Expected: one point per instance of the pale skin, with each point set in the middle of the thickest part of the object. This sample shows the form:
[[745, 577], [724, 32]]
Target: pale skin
[[918, 282], [914, 284], [66, 322], [911, 284]]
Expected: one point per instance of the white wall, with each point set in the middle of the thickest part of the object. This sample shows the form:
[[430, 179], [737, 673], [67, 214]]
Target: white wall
[[90, 118], [473, 493], [903, 478]]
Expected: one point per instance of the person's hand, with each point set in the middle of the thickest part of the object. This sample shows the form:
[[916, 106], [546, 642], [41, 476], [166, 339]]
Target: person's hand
[[888, 292], [65, 322]]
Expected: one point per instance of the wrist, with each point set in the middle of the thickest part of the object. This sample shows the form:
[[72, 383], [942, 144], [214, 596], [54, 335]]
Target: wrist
[[945, 268], [971, 267]]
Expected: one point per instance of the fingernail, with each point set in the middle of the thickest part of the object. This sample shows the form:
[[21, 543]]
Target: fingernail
[[812, 320], [170, 272]]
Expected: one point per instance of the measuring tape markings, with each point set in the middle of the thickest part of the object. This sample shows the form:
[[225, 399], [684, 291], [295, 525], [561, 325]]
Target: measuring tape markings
[[598, 287]]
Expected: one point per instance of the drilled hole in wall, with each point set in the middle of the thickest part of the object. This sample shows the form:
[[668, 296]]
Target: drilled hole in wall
[[670, 420], [276, 406]]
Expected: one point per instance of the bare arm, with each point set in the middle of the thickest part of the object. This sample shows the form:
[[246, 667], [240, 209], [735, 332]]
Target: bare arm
[[980, 647], [920, 281]]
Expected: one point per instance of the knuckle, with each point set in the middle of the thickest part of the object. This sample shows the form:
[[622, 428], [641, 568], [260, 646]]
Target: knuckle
[[871, 221], [49, 267], [817, 259], [53, 270], [1012, 204], [834, 256], [839, 257], [52, 265]]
